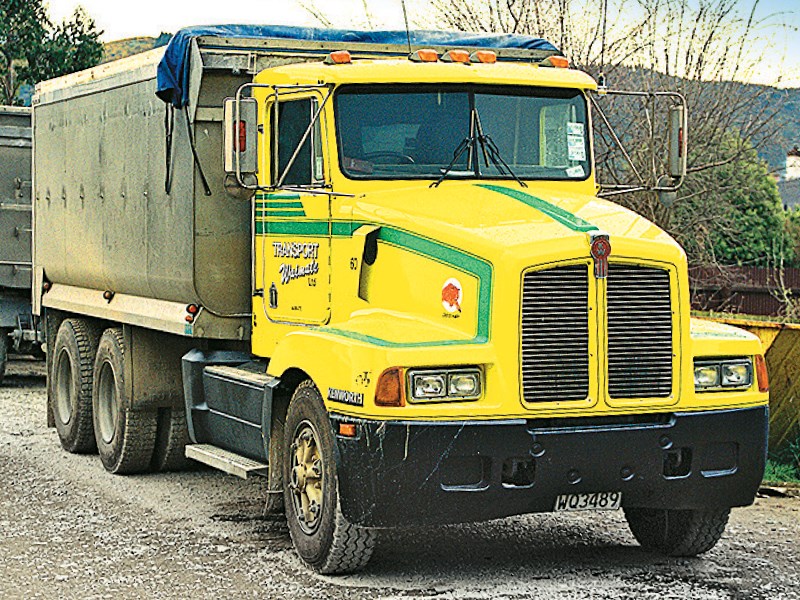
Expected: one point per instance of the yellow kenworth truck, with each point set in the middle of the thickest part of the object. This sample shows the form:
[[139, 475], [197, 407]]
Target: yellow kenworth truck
[[374, 267]]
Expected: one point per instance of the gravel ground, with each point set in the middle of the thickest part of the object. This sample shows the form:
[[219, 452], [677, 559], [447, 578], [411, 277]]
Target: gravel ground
[[70, 530]]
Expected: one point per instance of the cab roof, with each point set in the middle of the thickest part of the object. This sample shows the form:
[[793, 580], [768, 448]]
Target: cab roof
[[400, 71]]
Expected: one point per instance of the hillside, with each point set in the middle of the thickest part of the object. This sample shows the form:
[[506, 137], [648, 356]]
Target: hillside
[[130, 46]]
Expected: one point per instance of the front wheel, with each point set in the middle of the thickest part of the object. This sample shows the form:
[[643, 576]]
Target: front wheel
[[321, 535], [677, 532]]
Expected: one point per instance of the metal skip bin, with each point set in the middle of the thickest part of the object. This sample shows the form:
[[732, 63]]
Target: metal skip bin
[[781, 343]]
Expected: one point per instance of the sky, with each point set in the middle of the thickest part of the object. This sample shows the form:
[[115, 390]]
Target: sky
[[118, 20]]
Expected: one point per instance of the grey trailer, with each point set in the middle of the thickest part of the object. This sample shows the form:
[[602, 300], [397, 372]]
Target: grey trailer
[[18, 327]]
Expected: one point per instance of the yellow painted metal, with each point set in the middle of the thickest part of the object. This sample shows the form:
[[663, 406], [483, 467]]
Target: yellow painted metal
[[782, 351], [482, 234]]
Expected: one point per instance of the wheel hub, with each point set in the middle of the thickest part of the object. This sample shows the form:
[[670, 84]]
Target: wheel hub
[[306, 477]]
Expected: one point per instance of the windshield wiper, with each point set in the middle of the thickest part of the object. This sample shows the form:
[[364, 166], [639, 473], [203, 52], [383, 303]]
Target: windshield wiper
[[490, 152], [466, 144]]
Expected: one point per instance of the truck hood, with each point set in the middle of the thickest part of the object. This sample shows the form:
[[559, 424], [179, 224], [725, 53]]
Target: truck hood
[[507, 219]]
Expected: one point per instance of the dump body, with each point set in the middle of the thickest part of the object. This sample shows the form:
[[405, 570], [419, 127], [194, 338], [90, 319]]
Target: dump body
[[104, 218]]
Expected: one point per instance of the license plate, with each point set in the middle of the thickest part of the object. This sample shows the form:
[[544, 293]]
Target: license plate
[[595, 501]]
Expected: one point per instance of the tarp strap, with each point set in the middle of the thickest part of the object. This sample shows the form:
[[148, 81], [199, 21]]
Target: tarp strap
[[169, 126], [203, 179]]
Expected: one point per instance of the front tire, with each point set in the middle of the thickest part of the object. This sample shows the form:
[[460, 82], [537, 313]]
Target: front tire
[[677, 532], [125, 438], [321, 535]]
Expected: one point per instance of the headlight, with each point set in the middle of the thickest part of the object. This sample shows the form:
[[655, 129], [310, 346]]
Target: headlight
[[722, 374], [442, 385]]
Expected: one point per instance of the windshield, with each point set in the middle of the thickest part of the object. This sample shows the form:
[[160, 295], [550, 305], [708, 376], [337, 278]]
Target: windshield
[[419, 132]]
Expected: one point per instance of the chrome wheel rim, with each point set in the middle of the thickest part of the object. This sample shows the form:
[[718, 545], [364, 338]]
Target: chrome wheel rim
[[107, 409], [64, 387], [306, 477]]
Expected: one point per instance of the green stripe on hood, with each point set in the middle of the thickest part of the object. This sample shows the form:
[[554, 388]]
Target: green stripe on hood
[[567, 219]]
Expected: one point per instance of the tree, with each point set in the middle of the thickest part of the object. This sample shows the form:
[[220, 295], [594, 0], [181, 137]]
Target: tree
[[32, 49]]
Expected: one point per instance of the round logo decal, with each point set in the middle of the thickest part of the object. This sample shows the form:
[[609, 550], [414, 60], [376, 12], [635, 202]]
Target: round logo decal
[[452, 295]]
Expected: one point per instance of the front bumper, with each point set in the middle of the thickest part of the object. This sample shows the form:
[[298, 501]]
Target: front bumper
[[413, 473]]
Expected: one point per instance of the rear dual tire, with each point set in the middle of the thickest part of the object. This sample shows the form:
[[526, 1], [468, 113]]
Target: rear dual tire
[[125, 438], [70, 383], [4, 343]]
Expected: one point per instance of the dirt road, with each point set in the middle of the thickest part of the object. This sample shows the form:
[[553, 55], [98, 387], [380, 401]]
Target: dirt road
[[69, 530]]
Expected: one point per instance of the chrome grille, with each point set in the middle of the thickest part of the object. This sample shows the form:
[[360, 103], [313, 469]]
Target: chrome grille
[[639, 332], [555, 334]]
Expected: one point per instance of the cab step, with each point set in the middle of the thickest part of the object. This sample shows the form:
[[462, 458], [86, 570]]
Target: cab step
[[226, 461]]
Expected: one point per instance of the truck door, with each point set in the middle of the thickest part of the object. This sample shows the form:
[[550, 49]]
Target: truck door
[[293, 225]]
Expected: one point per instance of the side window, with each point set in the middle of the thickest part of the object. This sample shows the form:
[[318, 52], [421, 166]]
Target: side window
[[294, 117]]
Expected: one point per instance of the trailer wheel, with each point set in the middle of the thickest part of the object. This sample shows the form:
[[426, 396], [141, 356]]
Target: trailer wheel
[[71, 385], [321, 535], [3, 353], [171, 439], [677, 532], [125, 438]]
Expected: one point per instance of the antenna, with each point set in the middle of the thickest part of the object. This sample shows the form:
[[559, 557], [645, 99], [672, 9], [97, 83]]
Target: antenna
[[405, 18]]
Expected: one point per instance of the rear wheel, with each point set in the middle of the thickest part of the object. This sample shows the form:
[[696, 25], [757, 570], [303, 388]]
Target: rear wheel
[[323, 538], [125, 438], [71, 385], [171, 439], [3, 353], [677, 532]]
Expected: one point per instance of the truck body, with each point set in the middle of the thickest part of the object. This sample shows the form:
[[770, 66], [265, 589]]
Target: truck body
[[18, 329], [378, 272]]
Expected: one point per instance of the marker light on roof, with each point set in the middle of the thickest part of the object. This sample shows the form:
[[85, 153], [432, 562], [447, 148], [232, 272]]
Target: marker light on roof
[[339, 57], [559, 62], [460, 56], [484, 56], [424, 55]]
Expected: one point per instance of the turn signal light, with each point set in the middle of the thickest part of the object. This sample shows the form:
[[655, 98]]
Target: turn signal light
[[193, 309], [424, 55], [459, 56], [339, 57], [761, 373], [389, 391], [559, 62], [347, 430], [484, 56]]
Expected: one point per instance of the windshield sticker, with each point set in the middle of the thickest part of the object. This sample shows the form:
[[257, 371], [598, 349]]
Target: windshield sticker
[[576, 147], [576, 171], [575, 129]]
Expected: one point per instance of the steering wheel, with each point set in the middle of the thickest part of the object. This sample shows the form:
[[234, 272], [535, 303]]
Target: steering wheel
[[399, 157]]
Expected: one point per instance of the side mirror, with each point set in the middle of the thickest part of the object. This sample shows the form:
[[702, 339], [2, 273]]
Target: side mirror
[[240, 137], [677, 141]]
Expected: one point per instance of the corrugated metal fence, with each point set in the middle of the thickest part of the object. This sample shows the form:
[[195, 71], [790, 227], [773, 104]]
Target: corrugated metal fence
[[744, 290]]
